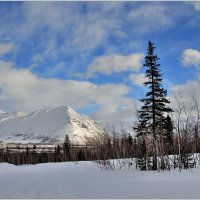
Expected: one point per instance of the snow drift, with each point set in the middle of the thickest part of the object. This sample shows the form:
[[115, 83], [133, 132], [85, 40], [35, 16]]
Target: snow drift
[[86, 181], [47, 126]]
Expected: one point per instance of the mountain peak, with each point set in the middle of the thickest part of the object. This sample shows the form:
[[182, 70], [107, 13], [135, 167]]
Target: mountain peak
[[49, 125]]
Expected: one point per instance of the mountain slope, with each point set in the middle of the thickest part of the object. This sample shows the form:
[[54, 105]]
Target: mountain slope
[[5, 115], [47, 125]]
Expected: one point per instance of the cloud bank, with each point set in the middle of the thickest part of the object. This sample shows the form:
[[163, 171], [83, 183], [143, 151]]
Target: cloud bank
[[22, 90], [6, 48], [115, 64], [191, 57]]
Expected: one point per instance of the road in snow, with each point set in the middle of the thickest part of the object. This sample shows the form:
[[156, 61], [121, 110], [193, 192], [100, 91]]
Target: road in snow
[[86, 180]]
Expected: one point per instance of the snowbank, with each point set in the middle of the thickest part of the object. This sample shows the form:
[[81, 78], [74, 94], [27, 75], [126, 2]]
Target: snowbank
[[86, 180]]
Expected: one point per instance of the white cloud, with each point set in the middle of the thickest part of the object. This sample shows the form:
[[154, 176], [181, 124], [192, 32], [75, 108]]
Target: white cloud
[[60, 67], [196, 4], [21, 90], [115, 64], [191, 57], [115, 112], [80, 32], [6, 48], [183, 97], [151, 17], [36, 61], [79, 27], [138, 79], [37, 58], [185, 93]]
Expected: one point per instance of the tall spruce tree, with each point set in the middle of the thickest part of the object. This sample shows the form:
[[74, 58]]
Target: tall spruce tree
[[152, 113], [168, 134], [67, 148]]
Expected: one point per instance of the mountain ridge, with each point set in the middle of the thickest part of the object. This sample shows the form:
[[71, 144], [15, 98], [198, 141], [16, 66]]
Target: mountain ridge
[[48, 125]]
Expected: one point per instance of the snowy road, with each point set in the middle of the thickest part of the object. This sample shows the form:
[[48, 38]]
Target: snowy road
[[86, 180]]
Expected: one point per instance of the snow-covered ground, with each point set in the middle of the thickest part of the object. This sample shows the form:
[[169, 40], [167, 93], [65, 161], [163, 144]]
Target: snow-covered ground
[[86, 180]]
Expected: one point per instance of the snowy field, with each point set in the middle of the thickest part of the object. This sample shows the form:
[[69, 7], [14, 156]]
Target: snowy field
[[86, 180]]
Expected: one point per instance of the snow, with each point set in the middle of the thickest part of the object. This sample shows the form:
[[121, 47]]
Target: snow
[[86, 180], [47, 125], [11, 115]]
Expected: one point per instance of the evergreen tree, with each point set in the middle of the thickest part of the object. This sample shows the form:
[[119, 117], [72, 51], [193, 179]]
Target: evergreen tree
[[27, 155], [57, 154], [27, 149], [168, 134], [34, 149], [142, 159], [34, 157], [130, 139], [151, 115], [67, 148], [58, 149], [109, 151], [81, 155], [129, 145]]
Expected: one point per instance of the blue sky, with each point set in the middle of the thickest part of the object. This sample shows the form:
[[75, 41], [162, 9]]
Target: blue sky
[[89, 55]]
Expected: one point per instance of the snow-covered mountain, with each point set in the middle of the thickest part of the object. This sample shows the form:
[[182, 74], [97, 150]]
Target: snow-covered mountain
[[47, 126], [11, 115]]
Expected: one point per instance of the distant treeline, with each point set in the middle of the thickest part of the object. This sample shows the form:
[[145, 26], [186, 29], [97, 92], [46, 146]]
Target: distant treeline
[[110, 147], [96, 149]]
